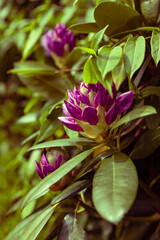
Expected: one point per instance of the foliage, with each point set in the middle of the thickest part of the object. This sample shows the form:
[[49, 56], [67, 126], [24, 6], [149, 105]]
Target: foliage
[[109, 166]]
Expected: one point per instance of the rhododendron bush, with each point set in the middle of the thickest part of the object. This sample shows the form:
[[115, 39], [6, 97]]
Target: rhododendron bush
[[87, 77]]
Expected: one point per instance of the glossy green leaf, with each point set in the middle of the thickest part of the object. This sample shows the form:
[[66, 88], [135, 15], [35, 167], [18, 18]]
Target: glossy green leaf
[[32, 68], [71, 230], [119, 74], [146, 144], [108, 59], [91, 73], [134, 114], [40, 189], [84, 27], [70, 191], [88, 50], [134, 52], [31, 226], [114, 187], [63, 143], [155, 46], [32, 39], [151, 90], [118, 16], [98, 38]]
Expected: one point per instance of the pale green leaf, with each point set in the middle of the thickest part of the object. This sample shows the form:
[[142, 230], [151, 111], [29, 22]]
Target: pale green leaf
[[98, 38], [134, 114], [84, 27], [63, 143], [30, 227], [119, 74], [91, 73], [155, 46], [114, 187], [108, 59], [134, 52]]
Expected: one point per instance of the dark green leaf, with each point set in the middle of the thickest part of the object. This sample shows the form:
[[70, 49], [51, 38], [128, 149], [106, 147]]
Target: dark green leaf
[[84, 27], [118, 16], [63, 143], [146, 144], [71, 230], [155, 46], [91, 73], [151, 90], [70, 191], [134, 52], [134, 114], [98, 38], [153, 121], [30, 227], [114, 187], [40, 189]]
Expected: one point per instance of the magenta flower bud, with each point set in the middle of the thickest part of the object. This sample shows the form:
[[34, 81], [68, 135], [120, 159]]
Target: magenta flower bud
[[91, 109], [59, 41]]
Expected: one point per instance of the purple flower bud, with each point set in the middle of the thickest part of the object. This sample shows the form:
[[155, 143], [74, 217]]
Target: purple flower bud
[[59, 41], [92, 105], [46, 168]]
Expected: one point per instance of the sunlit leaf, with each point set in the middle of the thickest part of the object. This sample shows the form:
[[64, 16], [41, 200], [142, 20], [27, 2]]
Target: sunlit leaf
[[88, 50], [134, 114], [114, 187], [63, 143], [155, 46], [134, 52], [108, 59], [98, 38], [91, 73]]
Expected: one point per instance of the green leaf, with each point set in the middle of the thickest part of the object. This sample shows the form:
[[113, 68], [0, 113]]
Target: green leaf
[[98, 38], [63, 143], [91, 73], [50, 125], [32, 68], [134, 52], [70, 191], [84, 27], [71, 230], [134, 114], [32, 39], [155, 46], [88, 50], [108, 59], [150, 90], [114, 187], [40, 189], [119, 74], [51, 87], [118, 16], [146, 144], [31, 226], [153, 121]]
